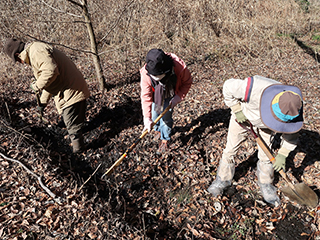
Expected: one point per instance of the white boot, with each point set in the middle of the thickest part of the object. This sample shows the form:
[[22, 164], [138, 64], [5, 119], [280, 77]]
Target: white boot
[[217, 186], [269, 193]]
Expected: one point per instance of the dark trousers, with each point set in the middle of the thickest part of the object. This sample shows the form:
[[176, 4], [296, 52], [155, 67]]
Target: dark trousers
[[73, 117]]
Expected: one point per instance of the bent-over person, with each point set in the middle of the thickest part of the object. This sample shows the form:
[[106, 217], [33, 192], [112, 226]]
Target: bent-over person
[[165, 79], [272, 108], [56, 75]]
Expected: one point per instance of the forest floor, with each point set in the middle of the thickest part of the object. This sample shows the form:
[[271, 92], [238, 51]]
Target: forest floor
[[151, 196]]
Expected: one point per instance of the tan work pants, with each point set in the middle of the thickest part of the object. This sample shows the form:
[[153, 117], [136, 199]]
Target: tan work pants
[[236, 135]]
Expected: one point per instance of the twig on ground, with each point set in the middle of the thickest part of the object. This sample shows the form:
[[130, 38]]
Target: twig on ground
[[90, 177], [8, 111], [16, 131], [35, 175]]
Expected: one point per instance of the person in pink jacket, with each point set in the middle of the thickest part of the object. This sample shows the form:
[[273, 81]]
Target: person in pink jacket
[[165, 79]]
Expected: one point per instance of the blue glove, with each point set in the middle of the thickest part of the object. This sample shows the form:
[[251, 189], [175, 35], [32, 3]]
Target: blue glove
[[280, 162]]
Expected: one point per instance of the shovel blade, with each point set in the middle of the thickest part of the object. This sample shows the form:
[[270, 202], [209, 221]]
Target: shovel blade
[[301, 194]]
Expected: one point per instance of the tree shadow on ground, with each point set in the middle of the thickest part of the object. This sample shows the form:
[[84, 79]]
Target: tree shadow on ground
[[212, 118], [131, 78], [124, 115], [309, 144], [134, 201], [249, 164], [307, 49]]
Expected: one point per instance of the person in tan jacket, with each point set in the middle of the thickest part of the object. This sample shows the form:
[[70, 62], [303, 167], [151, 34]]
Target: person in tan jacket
[[58, 77]]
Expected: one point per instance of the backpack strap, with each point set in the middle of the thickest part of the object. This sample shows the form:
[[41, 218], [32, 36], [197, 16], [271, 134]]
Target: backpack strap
[[248, 89]]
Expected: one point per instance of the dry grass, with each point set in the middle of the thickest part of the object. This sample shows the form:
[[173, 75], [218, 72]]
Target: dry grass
[[126, 30]]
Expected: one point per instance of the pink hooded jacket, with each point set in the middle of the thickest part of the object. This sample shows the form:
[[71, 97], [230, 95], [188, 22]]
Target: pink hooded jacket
[[184, 81]]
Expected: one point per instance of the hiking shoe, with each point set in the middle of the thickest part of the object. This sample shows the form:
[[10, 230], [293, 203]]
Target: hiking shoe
[[217, 186], [163, 146], [269, 193]]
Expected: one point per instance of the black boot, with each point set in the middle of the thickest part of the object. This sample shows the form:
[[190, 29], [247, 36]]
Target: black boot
[[77, 143]]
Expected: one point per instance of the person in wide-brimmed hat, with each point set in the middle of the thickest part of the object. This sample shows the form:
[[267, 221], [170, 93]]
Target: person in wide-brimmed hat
[[272, 108], [165, 79], [56, 75]]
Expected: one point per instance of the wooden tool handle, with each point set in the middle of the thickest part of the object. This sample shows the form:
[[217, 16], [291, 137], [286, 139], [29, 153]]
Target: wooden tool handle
[[117, 163], [268, 152]]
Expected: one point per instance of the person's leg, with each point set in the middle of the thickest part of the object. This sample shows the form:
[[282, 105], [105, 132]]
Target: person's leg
[[73, 117], [166, 122], [265, 172], [164, 126], [236, 135], [154, 116]]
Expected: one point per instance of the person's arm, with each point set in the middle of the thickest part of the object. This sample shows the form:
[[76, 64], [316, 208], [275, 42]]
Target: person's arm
[[236, 91], [146, 93], [47, 69], [289, 143], [186, 82]]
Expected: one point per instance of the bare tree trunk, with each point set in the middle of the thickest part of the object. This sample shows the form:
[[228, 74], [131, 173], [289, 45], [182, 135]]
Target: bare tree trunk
[[93, 43]]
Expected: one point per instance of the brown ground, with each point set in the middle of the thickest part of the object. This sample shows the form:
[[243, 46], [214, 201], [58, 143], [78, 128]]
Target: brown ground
[[152, 196]]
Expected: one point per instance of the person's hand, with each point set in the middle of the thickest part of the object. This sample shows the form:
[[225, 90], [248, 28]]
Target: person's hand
[[34, 87], [41, 108], [280, 162], [237, 110], [241, 118], [147, 122], [174, 101]]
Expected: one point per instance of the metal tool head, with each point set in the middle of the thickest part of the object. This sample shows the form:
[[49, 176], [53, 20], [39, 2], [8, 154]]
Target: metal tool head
[[302, 195]]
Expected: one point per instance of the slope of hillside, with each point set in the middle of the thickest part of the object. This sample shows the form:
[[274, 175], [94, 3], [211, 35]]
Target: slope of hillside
[[152, 196]]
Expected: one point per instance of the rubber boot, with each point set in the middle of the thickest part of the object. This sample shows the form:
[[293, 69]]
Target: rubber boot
[[77, 143], [269, 193], [217, 186]]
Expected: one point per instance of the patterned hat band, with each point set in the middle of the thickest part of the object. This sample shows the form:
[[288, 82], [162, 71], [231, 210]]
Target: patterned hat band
[[286, 106]]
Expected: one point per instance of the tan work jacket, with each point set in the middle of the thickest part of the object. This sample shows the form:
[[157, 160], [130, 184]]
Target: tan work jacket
[[56, 75]]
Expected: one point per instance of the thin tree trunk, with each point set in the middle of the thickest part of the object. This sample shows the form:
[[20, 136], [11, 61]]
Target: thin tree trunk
[[93, 44]]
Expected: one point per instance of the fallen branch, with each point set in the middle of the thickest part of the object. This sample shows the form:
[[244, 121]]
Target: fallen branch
[[58, 200]]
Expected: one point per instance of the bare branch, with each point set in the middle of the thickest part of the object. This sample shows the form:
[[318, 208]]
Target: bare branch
[[76, 3], [22, 135], [35, 175], [56, 44], [58, 10], [90, 177], [116, 22]]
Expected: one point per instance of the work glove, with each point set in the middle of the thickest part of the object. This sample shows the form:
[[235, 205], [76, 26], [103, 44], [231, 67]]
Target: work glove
[[147, 122], [241, 118], [41, 108], [236, 109], [174, 101], [280, 162], [34, 87]]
